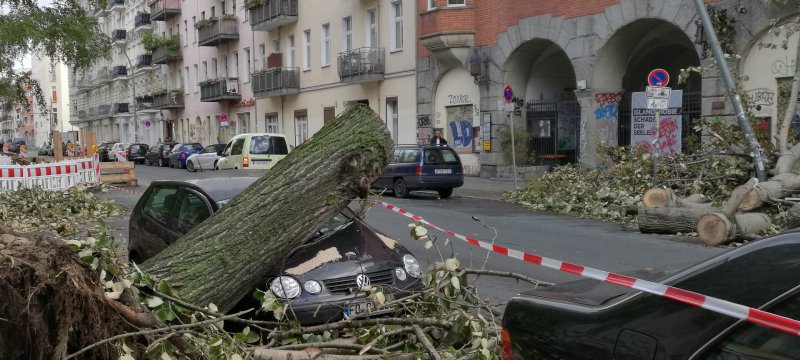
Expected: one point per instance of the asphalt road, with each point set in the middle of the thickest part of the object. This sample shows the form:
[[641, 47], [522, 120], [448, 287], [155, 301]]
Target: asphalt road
[[603, 245]]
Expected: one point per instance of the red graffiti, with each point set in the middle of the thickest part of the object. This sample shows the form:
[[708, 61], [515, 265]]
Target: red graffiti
[[607, 98], [668, 126]]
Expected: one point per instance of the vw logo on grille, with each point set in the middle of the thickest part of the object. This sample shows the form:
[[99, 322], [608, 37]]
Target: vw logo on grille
[[362, 280]]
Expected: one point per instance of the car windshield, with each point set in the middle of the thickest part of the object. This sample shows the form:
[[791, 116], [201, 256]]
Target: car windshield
[[268, 145]]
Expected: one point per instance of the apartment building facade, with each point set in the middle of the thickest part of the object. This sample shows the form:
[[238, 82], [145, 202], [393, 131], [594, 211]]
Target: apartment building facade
[[53, 79], [573, 67], [312, 58]]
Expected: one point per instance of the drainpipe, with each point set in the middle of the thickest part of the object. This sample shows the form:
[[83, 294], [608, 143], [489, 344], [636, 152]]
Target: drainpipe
[[741, 115]]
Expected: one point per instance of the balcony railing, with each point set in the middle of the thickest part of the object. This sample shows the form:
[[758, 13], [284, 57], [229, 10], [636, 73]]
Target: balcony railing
[[144, 61], [120, 108], [218, 30], [119, 36], [116, 5], [361, 65], [162, 10], [168, 53], [276, 82], [170, 99], [119, 72], [144, 102], [222, 89], [142, 22], [271, 14]]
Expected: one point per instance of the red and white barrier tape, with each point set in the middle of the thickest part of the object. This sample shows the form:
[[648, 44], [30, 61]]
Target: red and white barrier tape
[[125, 190], [720, 306]]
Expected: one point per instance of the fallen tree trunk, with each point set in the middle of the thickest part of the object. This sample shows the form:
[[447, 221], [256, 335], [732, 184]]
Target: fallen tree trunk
[[659, 197], [775, 188], [252, 235], [670, 220], [793, 217], [718, 229]]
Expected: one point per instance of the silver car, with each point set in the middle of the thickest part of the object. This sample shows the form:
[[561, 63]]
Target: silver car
[[206, 159]]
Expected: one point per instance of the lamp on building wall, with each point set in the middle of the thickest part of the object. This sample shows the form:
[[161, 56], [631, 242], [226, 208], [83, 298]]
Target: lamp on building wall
[[479, 69]]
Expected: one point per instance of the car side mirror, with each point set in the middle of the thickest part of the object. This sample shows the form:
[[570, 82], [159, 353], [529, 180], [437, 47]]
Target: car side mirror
[[219, 153]]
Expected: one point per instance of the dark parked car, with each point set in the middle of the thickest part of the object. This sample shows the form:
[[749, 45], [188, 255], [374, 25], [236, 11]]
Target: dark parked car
[[588, 319], [158, 154], [181, 152], [103, 149], [46, 150], [320, 292], [136, 152], [427, 167]]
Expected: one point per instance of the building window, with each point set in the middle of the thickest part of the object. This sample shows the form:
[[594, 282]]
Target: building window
[[326, 45], [247, 70], [276, 45], [431, 4], [236, 64], [52, 72], [392, 118], [456, 2], [54, 94], [307, 50], [194, 26], [186, 88], [291, 51], [396, 29], [213, 12], [372, 28], [262, 52], [225, 66], [222, 7], [300, 127], [347, 26], [185, 40], [271, 124], [196, 84], [205, 70], [55, 116]]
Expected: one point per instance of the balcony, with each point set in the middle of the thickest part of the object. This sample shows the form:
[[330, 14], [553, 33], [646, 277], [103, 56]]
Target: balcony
[[120, 108], [222, 89], [445, 38], [116, 5], [276, 82], [168, 51], [163, 10], [266, 15], [119, 72], [217, 30], [119, 36], [361, 65], [170, 99], [144, 62], [144, 103], [142, 22]]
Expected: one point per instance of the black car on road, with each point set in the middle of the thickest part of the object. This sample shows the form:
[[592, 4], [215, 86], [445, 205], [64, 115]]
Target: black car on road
[[158, 154], [322, 279], [425, 167], [589, 319], [103, 149], [136, 152]]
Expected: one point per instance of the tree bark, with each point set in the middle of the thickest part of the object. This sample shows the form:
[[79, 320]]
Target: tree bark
[[793, 217], [659, 197], [670, 220], [223, 258], [718, 229], [776, 188], [791, 106]]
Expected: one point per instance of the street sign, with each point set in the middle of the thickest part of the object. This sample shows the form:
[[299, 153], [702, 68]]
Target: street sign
[[657, 92], [508, 93], [658, 78], [223, 117], [657, 104]]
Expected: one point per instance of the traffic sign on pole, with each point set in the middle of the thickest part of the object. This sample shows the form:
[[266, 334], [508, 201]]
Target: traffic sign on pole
[[508, 93], [657, 92], [658, 78]]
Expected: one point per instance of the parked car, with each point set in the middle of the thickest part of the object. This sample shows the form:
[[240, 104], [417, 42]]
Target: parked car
[[169, 209], [425, 167], [181, 152], [46, 150], [158, 154], [103, 149], [206, 159], [115, 150], [253, 151], [136, 152], [588, 319]]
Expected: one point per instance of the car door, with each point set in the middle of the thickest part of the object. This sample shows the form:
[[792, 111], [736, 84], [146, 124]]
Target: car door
[[207, 156], [150, 227], [387, 177], [193, 207], [224, 162]]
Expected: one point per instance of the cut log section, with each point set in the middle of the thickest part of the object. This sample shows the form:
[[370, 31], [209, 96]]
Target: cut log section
[[776, 188], [717, 229], [671, 220], [793, 217], [659, 197]]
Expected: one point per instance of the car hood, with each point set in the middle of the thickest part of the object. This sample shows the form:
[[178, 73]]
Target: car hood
[[353, 249]]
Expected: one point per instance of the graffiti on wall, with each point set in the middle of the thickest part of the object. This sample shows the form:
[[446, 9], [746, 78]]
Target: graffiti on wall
[[783, 67], [606, 115], [459, 118], [761, 97]]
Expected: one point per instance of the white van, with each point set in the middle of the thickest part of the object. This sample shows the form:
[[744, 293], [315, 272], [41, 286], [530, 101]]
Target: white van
[[253, 151]]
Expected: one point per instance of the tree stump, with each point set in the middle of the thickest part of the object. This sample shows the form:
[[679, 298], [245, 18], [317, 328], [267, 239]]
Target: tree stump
[[717, 229], [659, 197]]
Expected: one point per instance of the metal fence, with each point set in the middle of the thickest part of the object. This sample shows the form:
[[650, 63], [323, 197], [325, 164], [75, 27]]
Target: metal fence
[[554, 125]]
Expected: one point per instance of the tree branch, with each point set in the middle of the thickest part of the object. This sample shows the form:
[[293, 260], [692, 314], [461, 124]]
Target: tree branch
[[331, 345], [426, 342], [507, 274], [362, 323], [383, 336]]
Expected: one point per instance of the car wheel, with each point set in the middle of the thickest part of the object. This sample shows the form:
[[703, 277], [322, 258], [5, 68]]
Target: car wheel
[[400, 189], [147, 162], [190, 167], [161, 162], [445, 193], [215, 165]]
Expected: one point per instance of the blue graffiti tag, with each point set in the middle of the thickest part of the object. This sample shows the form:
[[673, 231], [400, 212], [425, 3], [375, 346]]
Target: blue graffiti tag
[[606, 112], [461, 137]]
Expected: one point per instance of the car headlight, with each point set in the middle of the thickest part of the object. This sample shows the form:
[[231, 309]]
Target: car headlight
[[312, 287], [285, 287], [411, 265], [400, 273]]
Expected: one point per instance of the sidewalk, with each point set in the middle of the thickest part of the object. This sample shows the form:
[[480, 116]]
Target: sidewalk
[[487, 189]]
